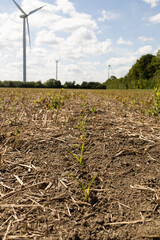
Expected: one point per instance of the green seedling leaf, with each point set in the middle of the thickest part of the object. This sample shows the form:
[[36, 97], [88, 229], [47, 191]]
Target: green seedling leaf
[[81, 156], [73, 155], [86, 192], [83, 137], [81, 159], [77, 127], [89, 186], [80, 183], [93, 109], [76, 145]]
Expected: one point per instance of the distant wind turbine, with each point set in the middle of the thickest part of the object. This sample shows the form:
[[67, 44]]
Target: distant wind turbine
[[25, 19], [57, 61]]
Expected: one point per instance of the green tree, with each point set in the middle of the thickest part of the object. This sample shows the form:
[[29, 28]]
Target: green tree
[[52, 83], [69, 84], [39, 84], [155, 81], [158, 53], [142, 72]]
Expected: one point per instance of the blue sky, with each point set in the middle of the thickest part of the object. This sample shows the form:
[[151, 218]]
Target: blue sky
[[85, 35]]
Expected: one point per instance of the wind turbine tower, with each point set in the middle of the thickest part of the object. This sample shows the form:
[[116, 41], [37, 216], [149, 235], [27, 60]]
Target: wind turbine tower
[[57, 61], [109, 70], [25, 19]]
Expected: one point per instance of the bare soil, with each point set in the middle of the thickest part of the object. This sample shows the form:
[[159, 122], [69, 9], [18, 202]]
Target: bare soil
[[38, 200]]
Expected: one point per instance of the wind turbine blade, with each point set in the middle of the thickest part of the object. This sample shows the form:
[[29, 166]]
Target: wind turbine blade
[[35, 10], [29, 33], [20, 8]]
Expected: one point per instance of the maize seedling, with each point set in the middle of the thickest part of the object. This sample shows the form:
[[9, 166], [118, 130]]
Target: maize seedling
[[80, 159], [86, 192]]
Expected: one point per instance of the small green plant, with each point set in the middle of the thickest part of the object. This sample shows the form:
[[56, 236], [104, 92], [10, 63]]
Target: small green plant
[[86, 191], [81, 158], [80, 126], [156, 102], [51, 101], [17, 132], [93, 110], [82, 122], [60, 103], [83, 103]]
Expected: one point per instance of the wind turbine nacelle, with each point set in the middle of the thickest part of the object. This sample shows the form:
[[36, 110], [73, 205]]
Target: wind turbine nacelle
[[23, 16]]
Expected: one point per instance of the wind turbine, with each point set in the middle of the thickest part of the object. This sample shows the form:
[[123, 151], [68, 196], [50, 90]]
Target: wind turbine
[[25, 19]]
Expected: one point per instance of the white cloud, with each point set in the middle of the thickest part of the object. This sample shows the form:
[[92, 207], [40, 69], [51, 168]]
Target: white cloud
[[121, 71], [37, 54], [82, 37], [82, 41], [121, 61], [66, 7], [73, 68], [153, 3], [155, 19], [122, 41], [10, 34], [73, 23], [144, 50], [107, 15], [86, 40], [47, 38], [145, 39]]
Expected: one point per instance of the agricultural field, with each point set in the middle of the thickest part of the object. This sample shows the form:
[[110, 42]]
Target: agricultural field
[[79, 164]]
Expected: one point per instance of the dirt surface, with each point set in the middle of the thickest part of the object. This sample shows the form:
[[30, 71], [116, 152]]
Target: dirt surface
[[38, 200]]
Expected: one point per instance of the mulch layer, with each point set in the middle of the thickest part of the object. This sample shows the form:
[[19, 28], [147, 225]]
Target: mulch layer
[[38, 200]]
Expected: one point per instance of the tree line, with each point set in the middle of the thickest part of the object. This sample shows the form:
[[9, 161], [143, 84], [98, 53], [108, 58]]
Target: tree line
[[144, 74], [52, 83]]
